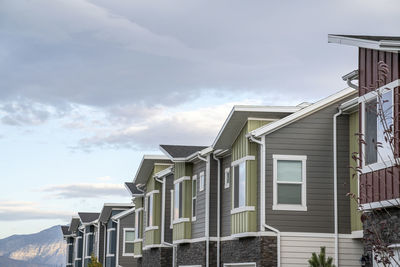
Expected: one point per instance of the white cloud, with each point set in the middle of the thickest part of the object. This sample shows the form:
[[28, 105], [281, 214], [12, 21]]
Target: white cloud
[[24, 210], [85, 190]]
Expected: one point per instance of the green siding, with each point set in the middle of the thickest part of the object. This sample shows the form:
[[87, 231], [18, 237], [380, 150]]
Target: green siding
[[247, 221], [137, 249], [356, 223], [182, 230], [138, 202]]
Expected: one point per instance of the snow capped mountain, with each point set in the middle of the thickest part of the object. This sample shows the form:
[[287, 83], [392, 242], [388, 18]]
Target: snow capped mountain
[[46, 248]]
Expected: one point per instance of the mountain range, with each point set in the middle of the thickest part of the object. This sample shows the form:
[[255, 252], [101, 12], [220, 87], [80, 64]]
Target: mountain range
[[43, 249]]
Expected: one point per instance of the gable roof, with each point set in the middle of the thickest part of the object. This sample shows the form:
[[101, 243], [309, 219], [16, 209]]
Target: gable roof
[[123, 214], [65, 230], [74, 224], [178, 152], [269, 128], [109, 207], [385, 43], [146, 167], [88, 217], [133, 190], [239, 116]]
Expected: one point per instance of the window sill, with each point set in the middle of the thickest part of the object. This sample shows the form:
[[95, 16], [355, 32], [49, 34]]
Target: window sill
[[110, 255], [151, 228], [243, 209], [137, 240], [193, 219], [128, 254], [378, 166], [289, 207], [181, 220]]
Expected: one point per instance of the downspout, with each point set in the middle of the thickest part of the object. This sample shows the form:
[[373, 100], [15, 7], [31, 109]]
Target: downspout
[[104, 243], [335, 186], [117, 249], [218, 209], [98, 240], [84, 247], [278, 242]]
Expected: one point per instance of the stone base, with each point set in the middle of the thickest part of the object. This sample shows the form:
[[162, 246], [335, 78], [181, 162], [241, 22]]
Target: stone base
[[381, 227], [195, 254], [261, 250], [156, 257]]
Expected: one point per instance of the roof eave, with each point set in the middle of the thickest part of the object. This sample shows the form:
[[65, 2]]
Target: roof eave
[[391, 46]]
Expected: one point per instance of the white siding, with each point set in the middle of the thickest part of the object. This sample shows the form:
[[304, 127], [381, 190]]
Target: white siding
[[296, 251]]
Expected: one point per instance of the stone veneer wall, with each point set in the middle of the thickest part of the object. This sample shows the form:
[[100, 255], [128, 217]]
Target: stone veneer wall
[[156, 257], [261, 250], [386, 223], [195, 254]]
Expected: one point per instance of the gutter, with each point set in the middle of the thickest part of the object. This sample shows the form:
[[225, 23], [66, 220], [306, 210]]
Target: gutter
[[218, 209], [350, 77], [208, 161], [278, 242], [335, 185]]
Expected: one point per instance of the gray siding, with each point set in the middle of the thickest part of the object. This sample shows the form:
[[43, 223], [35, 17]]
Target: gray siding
[[101, 244], [126, 222], [225, 199], [213, 196], [313, 137], [169, 186], [198, 227]]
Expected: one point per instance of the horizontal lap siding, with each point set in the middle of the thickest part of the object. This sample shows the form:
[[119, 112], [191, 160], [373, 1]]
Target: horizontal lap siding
[[316, 142], [198, 227], [126, 222], [213, 196], [296, 251], [384, 184], [226, 204]]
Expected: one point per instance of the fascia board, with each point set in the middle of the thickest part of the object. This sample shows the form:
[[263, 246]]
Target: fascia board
[[392, 46], [123, 214], [269, 128], [164, 172]]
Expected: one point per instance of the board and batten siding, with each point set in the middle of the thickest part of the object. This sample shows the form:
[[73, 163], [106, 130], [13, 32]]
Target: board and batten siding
[[383, 184], [125, 222], [296, 251], [312, 136], [169, 180], [226, 204]]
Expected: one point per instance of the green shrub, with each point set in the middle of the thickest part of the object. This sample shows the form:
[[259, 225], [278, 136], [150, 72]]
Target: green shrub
[[94, 262], [320, 260]]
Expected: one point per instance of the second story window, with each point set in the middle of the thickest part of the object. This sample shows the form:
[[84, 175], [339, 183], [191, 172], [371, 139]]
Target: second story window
[[194, 197], [149, 209], [89, 245], [138, 224], [178, 209], [239, 191], [111, 242], [227, 177], [289, 188], [129, 237], [377, 119], [201, 181]]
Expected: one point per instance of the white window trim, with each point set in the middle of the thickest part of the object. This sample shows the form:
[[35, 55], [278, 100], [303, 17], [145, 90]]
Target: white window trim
[[76, 248], [180, 220], [288, 207], [202, 181], [240, 264], [109, 243], [227, 184], [183, 178], [87, 246], [171, 219], [246, 158], [362, 100], [151, 228], [137, 233], [146, 202], [242, 209], [194, 179], [125, 242], [152, 192]]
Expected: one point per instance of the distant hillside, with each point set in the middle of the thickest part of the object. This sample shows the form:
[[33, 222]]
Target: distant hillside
[[43, 249]]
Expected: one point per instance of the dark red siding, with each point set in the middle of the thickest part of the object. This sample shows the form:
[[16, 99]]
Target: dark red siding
[[383, 184]]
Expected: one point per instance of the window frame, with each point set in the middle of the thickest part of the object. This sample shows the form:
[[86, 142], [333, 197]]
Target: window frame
[[108, 254], [171, 219], [138, 225], [363, 100], [202, 181], [227, 183], [194, 198], [150, 214], [86, 245], [124, 241], [76, 248], [181, 216], [245, 207], [290, 207]]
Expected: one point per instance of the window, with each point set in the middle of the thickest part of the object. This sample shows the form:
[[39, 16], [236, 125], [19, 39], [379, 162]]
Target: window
[[138, 224], [289, 182], [239, 192], [227, 177], [111, 242], [78, 248], [377, 112], [178, 211], [171, 219], [194, 197], [201, 182], [129, 238], [89, 245], [149, 210]]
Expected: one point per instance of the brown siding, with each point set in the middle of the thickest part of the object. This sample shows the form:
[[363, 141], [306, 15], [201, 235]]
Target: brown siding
[[383, 184]]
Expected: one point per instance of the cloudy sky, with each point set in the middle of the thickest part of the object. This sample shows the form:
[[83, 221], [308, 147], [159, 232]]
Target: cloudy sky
[[88, 86]]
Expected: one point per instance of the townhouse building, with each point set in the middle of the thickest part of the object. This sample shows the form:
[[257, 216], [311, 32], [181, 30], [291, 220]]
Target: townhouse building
[[88, 224], [69, 240], [377, 106]]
